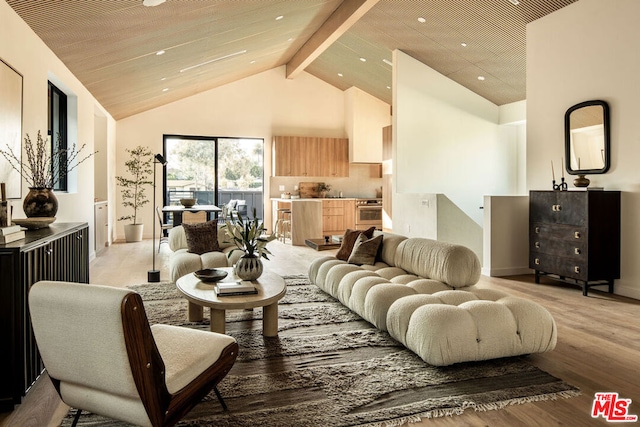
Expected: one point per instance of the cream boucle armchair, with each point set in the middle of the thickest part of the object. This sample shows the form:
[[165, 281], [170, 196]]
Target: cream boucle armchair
[[102, 356], [182, 262], [423, 293]]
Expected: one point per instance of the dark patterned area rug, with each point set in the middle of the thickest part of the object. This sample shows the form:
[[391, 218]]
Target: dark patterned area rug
[[328, 367]]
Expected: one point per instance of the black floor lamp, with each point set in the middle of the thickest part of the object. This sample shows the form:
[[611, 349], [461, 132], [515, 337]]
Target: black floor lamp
[[153, 276]]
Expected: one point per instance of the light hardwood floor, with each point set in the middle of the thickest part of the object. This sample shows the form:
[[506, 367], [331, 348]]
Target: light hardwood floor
[[598, 342]]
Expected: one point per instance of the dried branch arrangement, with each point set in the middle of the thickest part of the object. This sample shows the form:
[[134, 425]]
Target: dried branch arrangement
[[44, 167]]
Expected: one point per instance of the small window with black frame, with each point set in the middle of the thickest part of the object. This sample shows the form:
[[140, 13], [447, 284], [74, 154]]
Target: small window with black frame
[[57, 131]]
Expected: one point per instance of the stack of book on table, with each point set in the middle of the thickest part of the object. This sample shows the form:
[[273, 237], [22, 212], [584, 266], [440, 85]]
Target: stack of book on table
[[240, 287], [11, 234]]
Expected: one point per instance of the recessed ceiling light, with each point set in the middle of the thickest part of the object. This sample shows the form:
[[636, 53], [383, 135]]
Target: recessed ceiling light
[[388, 87], [363, 59], [463, 44], [160, 52], [252, 62], [279, 17], [386, 61], [339, 74], [163, 79], [422, 20], [481, 78], [165, 89], [151, 3], [514, 2]]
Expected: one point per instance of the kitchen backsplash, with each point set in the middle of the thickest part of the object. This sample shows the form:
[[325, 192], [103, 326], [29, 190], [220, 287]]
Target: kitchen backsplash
[[362, 182]]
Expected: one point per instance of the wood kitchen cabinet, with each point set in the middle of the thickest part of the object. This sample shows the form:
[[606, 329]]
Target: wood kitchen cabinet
[[574, 236], [337, 216], [311, 156], [334, 157]]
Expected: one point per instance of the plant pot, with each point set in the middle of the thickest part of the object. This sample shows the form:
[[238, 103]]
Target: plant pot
[[40, 202], [133, 232], [248, 267]]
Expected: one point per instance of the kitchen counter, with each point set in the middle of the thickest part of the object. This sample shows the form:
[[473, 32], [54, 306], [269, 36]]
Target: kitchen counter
[[314, 199], [313, 218], [306, 218]]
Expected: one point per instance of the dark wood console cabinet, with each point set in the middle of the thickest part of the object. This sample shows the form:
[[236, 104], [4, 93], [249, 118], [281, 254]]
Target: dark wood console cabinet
[[58, 252], [574, 236]]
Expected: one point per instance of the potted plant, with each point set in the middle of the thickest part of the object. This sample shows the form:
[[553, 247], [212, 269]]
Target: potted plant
[[139, 167], [42, 171], [248, 236], [323, 189]]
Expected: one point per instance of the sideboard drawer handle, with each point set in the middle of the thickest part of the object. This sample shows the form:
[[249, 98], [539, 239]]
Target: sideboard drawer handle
[[537, 261], [556, 208], [537, 245], [537, 230], [577, 251], [576, 269], [576, 234]]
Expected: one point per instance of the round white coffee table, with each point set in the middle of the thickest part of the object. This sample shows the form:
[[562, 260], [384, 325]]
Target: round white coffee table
[[271, 289]]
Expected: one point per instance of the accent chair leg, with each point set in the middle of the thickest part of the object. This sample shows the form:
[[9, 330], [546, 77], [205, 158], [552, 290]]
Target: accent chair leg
[[76, 417], [219, 396]]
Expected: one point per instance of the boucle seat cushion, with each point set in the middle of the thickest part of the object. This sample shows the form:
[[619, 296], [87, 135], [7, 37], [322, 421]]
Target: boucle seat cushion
[[423, 293], [457, 326]]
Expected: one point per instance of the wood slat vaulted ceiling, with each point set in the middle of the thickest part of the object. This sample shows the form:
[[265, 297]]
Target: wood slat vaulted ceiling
[[111, 45]]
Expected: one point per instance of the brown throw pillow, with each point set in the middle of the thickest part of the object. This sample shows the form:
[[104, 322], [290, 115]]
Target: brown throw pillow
[[365, 250], [202, 237], [349, 239]]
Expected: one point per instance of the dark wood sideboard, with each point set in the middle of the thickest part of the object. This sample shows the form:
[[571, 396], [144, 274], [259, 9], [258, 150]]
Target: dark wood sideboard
[[574, 236], [58, 252]]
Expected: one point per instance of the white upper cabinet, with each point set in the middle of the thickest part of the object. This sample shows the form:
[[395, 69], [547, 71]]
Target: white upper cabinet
[[366, 115]]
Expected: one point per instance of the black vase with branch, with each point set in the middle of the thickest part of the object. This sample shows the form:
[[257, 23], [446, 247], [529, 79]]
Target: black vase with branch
[[43, 170]]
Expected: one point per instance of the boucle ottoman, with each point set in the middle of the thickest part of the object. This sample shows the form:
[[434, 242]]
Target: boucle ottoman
[[423, 293]]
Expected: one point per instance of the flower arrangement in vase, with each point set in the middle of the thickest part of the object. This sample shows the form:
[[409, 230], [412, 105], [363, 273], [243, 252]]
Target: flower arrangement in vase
[[323, 189], [249, 236]]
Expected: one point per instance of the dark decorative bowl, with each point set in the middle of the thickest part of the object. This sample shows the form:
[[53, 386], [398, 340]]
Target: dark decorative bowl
[[210, 275], [187, 203]]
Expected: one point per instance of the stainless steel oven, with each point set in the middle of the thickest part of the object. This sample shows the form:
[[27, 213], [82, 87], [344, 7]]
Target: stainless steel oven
[[368, 213]]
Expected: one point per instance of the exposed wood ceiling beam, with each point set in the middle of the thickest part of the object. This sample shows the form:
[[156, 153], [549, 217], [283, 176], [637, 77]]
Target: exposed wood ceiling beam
[[347, 14]]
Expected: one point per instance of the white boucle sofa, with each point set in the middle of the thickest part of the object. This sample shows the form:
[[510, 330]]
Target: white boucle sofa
[[423, 293], [182, 262]]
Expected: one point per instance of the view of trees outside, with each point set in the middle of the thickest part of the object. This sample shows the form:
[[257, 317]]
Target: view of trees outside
[[191, 164], [241, 164]]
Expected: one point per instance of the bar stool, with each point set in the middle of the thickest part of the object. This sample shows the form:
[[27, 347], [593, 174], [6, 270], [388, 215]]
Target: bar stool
[[283, 224]]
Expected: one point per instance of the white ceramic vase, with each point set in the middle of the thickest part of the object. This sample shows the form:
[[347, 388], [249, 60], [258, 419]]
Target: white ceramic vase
[[248, 267]]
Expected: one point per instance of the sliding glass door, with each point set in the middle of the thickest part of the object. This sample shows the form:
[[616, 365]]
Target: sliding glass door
[[214, 170]]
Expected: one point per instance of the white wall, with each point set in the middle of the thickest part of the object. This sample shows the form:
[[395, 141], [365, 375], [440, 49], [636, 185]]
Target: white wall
[[260, 106], [25, 52], [506, 236], [585, 51], [447, 140]]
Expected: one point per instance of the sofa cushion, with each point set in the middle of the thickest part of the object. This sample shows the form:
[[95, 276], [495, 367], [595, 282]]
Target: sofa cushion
[[365, 250], [202, 237], [349, 240], [455, 265], [390, 242]]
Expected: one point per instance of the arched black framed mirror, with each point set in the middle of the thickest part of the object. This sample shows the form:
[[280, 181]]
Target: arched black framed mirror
[[586, 138]]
